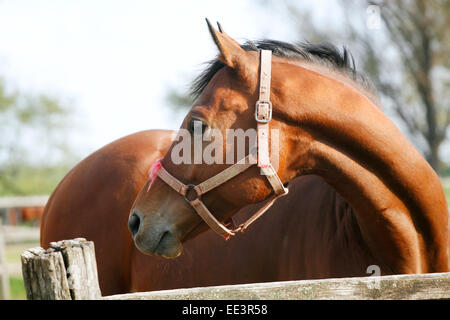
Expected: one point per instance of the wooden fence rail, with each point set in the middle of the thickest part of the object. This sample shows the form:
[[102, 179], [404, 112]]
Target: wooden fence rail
[[399, 287], [68, 271]]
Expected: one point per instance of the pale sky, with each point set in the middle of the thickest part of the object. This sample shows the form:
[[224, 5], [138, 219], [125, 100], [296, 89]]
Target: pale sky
[[115, 59]]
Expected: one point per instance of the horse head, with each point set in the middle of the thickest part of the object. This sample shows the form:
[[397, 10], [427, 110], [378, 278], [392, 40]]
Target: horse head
[[162, 219]]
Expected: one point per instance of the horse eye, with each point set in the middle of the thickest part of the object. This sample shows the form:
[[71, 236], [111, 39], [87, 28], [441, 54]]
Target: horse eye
[[197, 126]]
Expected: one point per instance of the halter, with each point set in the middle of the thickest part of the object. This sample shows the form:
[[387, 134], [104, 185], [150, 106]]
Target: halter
[[192, 193]]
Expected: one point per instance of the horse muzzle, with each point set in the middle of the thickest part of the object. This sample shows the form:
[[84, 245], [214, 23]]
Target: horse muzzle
[[155, 239]]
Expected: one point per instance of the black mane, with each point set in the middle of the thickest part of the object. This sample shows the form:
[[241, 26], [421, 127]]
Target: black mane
[[323, 54]]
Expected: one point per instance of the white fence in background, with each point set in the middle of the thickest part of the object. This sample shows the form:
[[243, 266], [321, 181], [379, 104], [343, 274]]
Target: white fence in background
[[23, 201], [15, 234]]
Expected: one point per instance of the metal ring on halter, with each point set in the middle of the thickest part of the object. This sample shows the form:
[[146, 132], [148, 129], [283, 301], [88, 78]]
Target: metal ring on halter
[[190, 187]]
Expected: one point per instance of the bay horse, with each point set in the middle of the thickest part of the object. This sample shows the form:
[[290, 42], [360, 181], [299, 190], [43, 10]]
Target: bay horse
[[329, 125], [94, 199]]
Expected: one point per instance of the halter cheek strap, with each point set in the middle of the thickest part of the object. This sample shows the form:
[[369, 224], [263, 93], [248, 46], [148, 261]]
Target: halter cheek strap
[[192, 193], [263, 109]]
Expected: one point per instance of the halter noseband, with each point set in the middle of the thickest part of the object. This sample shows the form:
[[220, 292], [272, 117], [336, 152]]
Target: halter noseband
[[192, 193]]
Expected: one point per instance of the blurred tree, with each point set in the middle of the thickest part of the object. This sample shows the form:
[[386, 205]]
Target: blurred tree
[[33, 152], [178, 100]]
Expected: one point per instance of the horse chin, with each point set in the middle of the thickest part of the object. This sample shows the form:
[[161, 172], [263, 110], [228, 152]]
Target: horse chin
[[168, 246]]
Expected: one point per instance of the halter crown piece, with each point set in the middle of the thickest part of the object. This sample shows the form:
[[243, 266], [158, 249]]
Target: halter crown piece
[[192, 193]]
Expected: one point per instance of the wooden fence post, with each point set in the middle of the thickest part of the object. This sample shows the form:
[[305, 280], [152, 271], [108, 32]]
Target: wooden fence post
[[4, 276], [67, 270]]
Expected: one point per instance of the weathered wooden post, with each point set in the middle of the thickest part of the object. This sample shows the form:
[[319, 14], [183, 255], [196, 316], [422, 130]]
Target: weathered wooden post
[[65, 271]]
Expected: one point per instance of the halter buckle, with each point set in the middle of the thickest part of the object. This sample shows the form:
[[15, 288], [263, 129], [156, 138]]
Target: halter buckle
[[263, 111]]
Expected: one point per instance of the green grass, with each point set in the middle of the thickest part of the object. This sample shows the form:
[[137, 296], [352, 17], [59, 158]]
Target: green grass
[[13, 251], [447, 195], [12, 255], [446, 186], [17, 288], [447, 191]]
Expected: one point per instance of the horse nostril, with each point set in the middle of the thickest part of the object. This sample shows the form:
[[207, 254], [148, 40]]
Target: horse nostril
[[133, 223]]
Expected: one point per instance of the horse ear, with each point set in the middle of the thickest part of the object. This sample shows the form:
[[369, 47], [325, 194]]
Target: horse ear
[[231, 53]]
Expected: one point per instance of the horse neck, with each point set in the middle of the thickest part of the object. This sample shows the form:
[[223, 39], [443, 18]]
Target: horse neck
[[396, 196]]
